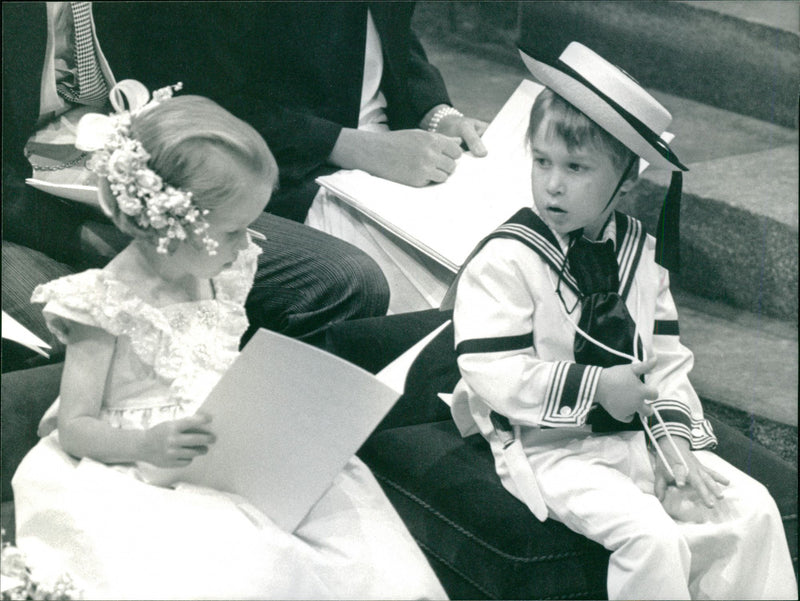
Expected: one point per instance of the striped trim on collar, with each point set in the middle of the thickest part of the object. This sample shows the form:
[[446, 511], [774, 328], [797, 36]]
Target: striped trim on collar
[[527, 227], [630, 243]]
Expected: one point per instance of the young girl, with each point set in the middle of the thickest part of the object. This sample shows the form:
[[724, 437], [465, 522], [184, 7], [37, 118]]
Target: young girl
[[147, 338]]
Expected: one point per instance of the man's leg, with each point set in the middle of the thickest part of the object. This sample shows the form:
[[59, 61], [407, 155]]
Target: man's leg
[[307, 280]]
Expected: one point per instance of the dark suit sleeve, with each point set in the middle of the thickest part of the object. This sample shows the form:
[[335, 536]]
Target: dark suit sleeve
[[30, 218], [424, 83]]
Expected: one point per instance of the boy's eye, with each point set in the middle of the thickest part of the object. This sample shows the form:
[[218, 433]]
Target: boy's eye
[[577, 167], [542, 162]]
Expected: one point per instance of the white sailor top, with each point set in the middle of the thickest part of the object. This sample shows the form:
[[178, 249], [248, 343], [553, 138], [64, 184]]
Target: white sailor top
[[514, 338]]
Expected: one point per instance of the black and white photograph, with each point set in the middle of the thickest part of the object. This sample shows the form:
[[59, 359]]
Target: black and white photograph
[[486, 299]]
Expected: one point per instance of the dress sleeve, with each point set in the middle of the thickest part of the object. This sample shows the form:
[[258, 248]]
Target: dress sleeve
[[493, 319], [678, 403], [92, 298]]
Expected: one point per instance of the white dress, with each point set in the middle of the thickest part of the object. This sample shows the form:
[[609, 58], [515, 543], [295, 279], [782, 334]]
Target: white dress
[[122, 538]]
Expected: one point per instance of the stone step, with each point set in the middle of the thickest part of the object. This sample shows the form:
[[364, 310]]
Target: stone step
[[742, 360], [741, 58], [739, 232]]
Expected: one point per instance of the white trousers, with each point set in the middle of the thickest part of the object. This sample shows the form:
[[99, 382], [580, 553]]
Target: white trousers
[[602, 487], [416, 281]]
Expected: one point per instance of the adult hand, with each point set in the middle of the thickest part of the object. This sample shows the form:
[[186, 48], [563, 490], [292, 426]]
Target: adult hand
[[176, 443], [622, 393], [702, 481], [467, 129], [409, 156]]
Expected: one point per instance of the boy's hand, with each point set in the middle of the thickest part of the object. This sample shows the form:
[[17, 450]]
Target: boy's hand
[[176, 443], [704, 482], [622, 393]]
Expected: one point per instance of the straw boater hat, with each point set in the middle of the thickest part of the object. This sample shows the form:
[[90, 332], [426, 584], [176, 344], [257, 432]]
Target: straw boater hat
[[618, 104]]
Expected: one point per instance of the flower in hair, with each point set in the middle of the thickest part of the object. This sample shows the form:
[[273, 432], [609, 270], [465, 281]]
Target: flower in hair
[[140, 193]]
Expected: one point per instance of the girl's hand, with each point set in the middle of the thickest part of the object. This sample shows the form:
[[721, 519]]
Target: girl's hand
[[176, 443], [704, 483], [622, 393]]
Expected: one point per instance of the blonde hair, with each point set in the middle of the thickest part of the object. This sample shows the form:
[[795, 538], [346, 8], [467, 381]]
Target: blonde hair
[[187, 138], [577, 130]]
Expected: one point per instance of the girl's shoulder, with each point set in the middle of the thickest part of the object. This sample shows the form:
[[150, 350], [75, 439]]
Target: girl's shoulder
[[96, 298]]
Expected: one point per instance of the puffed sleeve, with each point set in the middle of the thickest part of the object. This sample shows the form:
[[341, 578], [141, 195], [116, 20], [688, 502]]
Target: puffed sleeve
[[92, 298]]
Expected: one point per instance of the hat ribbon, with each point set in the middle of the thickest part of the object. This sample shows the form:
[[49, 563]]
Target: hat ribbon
[[668, 228], [641, 128]]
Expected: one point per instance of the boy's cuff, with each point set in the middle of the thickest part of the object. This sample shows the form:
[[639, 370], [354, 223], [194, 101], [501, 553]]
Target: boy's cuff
[[570, 394], [679, 422]]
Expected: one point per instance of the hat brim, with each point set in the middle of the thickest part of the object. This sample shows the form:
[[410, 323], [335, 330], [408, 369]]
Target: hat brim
[[597, 109]]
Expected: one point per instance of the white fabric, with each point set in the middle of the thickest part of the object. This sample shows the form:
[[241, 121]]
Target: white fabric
[[602, 485], [506, 290], [416, 282], [121, 538], [373, 102]]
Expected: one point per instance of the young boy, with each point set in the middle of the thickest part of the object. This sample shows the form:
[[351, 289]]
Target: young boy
[[567, 343]]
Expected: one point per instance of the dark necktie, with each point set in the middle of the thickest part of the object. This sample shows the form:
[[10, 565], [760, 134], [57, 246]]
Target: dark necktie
[[604, 317]]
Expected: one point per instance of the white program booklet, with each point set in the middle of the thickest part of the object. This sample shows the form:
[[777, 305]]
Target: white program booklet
[[14, 330], [287, 417], [446, 221]]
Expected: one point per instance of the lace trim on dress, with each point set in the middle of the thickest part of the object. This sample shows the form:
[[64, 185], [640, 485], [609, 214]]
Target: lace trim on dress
[[234, 284]]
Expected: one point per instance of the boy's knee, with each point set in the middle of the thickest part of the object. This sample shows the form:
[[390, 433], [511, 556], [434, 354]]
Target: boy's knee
[[662, 542]]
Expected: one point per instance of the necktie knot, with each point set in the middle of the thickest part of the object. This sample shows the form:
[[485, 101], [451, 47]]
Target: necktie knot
[[593, 265]]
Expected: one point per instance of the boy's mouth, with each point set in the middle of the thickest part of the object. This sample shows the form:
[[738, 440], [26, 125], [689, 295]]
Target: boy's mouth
[[555, 210]]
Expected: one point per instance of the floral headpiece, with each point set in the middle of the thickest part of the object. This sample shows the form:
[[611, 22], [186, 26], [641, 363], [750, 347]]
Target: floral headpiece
[[121, 159]]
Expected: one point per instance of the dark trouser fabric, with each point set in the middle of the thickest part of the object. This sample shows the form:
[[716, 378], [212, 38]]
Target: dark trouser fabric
[[307, 280]]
